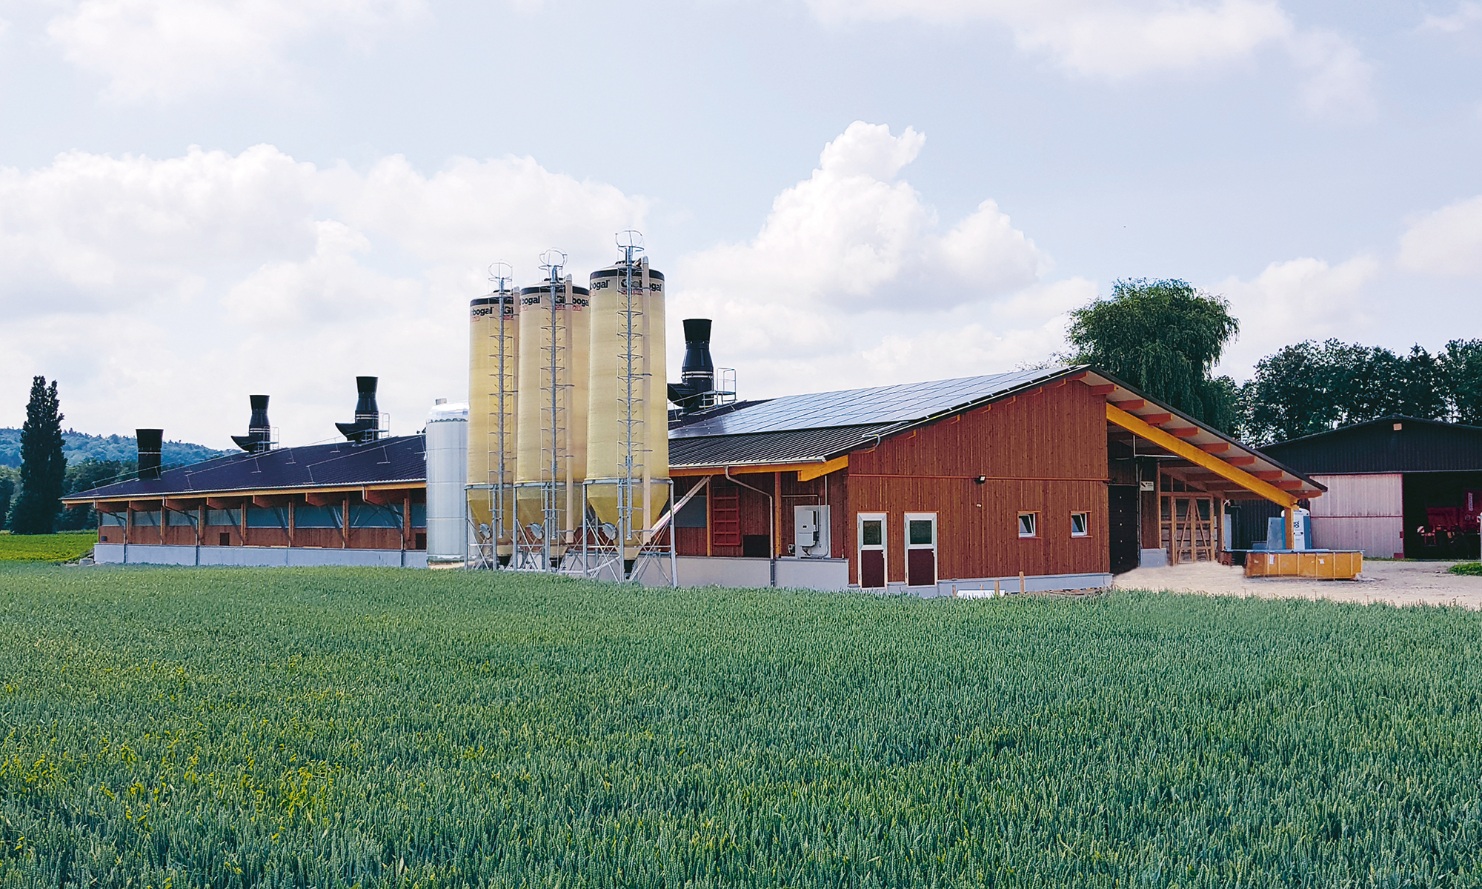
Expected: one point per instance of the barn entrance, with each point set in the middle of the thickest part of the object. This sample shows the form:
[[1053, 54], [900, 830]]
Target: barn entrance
[[1123, 504]]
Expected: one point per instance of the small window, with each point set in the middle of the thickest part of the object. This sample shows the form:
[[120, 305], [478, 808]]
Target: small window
[[693, 514], [1080, 524], [920, 532], [1028, 524], [872, 532], [111, 519]]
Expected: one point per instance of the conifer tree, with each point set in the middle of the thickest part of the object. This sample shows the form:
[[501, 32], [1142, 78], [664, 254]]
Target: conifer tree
[[43, 466]]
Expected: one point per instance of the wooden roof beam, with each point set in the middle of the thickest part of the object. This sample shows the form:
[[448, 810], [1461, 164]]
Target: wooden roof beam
[[1132, 404], [1215, 447], [1139, 425], [1155, 419]]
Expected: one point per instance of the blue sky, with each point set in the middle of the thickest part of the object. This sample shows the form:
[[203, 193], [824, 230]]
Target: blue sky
[[201, 199]]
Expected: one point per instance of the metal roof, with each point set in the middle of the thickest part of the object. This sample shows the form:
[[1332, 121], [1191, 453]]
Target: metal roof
[[770, 448], [881, 405], [343, 464], [1388, 444]]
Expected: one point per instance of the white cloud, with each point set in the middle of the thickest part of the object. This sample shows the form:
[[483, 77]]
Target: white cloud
[[165, 49], [1447, 241], [1339, 82], [852, 279], [1295, 300], [1098, 38], [1120, 39], [1467, 15], [163, 292]]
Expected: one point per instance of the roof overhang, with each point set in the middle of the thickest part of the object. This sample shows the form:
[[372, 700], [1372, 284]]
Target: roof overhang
[[181, 497]]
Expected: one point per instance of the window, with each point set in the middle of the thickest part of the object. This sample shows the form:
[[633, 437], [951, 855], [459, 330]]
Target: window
[[693, 514], [309, 516], [177, 519], [111, 519], [419, 517], [368, 515], [223, 517], [1080, 524], [1028, 524], [267, 517], [147, 518]]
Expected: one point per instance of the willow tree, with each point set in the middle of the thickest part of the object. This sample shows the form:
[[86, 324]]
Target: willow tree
[[1163, 338]]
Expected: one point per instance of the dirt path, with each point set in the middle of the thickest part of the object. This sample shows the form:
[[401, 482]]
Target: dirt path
[[1398, 583]]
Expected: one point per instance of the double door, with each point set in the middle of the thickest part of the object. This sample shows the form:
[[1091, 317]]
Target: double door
[[920, 537]]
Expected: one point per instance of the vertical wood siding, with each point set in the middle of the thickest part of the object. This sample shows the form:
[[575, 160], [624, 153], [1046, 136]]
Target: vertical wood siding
[[1043, 452]]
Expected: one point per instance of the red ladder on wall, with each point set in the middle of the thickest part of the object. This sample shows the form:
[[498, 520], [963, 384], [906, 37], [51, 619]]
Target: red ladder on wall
[[725, 515]]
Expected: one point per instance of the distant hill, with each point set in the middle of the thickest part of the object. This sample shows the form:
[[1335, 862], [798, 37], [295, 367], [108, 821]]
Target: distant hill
[[79, 446]]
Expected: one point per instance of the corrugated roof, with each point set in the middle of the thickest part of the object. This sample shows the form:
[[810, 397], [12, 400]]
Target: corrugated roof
[[390, 460], [880, 405], [1377, 446], [770, 448]]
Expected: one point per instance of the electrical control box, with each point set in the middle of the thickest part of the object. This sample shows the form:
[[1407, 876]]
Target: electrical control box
[[811, 532]]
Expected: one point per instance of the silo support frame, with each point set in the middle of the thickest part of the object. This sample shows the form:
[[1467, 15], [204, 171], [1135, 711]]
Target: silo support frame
[[604, 557]]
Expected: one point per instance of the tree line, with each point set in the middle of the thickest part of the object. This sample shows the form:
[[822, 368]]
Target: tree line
[[1165, 337]]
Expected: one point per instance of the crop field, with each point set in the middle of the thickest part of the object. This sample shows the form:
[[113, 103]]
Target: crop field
[[333, 727], [65, 547]]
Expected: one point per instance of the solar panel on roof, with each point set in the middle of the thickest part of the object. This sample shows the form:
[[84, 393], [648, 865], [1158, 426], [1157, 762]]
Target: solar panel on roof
[[901, 403]]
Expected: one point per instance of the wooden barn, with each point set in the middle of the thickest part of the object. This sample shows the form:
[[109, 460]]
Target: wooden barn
[[1053, 479]]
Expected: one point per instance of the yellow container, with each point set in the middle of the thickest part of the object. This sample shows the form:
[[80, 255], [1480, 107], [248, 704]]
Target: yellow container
[[493, 361], [548, 339], [1317, 564], [628, 395]]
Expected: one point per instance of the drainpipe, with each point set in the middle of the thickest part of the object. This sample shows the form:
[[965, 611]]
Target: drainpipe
[[771, 531]]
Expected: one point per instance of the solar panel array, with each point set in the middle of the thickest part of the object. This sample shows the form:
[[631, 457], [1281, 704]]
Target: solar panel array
[[858, 407]]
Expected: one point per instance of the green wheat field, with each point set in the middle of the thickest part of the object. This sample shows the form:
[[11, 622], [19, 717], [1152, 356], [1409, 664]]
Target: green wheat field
[[219, 727]]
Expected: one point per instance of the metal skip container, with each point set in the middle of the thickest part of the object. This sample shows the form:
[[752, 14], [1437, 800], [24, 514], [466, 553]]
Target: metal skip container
[[627, 423], [493, 362], [551, 428]]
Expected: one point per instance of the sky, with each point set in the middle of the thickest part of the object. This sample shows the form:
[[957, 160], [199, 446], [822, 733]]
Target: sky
[[204, 199]]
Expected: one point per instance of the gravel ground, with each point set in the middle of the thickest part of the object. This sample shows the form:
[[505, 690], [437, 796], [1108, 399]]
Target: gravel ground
[[1398, 583]]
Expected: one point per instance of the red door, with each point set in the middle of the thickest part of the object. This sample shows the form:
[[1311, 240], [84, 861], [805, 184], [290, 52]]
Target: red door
[[872, 551]]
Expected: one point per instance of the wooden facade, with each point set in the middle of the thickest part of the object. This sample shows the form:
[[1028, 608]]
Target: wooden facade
[[267, 519], [1041, 453]]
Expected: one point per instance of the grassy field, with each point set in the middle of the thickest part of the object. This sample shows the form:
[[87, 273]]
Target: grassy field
[[337, 726], [1469, 569], [65, 547]]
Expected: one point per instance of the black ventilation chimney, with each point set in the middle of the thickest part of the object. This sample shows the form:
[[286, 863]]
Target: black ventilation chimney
[[259, 435], [367, 425], [697, 375], [150, 442]]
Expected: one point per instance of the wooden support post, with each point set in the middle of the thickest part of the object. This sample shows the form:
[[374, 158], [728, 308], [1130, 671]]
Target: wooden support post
[[1291, 527]]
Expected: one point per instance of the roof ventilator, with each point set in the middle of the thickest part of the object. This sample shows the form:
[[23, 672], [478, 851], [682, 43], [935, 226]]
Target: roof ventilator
[[150, 443], [367, 425], [259, 437]]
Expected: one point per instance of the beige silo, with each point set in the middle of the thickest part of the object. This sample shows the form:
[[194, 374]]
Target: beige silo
[[493, 362], [552, 368], [629, 406]]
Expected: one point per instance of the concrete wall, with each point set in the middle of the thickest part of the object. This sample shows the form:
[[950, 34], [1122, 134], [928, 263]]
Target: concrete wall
[[254, 556]]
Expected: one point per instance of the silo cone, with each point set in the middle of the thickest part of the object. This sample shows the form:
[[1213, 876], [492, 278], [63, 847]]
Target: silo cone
[[607, 423], [536, 421], [491, 318]]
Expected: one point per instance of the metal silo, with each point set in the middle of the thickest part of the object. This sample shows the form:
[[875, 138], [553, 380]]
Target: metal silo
[[551, 431], [447, 460], [627, 439], [493, 361]]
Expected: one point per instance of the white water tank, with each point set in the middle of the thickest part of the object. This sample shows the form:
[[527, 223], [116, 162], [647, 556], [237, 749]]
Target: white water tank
[[447, 475]]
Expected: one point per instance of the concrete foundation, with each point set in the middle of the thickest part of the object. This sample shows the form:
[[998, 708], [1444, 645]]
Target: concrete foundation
[[254, 556]]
